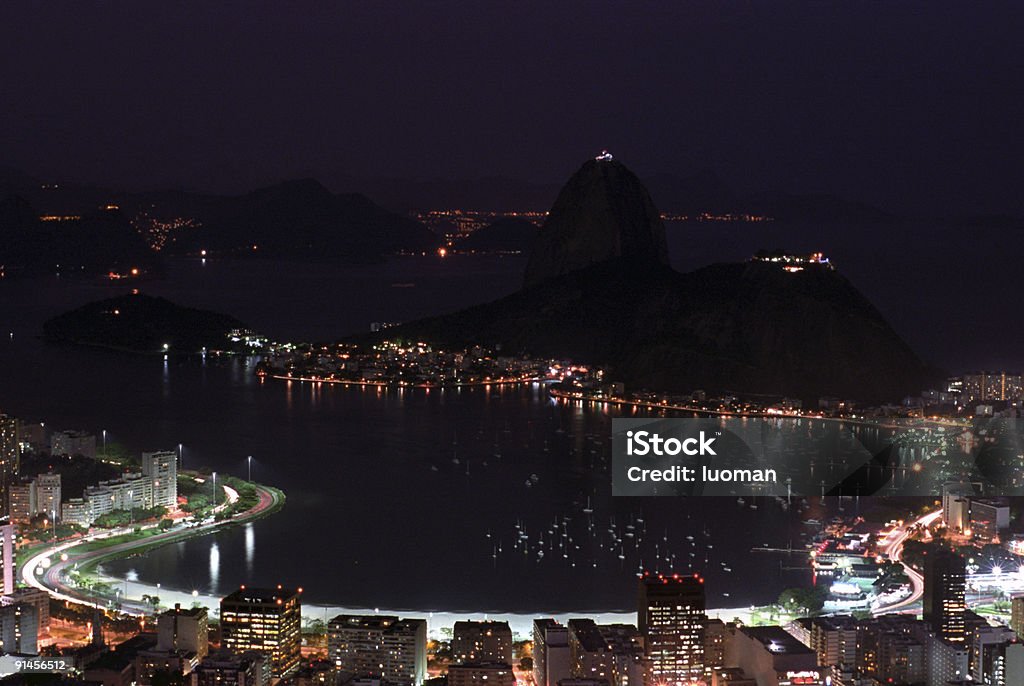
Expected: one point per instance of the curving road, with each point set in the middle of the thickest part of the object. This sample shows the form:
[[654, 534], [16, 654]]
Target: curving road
[[46, 569], [893, 549]]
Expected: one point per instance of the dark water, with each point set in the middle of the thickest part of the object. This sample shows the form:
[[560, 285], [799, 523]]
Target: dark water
[[379, 513]]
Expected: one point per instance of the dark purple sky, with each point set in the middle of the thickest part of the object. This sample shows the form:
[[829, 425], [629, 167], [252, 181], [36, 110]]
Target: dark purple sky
[[913, 106]]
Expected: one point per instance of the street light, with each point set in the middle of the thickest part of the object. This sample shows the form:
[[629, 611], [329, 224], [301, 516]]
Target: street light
[[104, 443], [215, 490], [180, 463], [249, 461]]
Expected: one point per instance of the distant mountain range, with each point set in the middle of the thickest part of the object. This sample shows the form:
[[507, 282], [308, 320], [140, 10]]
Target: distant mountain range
[[302, 219], [703, 191], [95, 229], [599, 290], [44, 226], [92, 242], [689, 195]]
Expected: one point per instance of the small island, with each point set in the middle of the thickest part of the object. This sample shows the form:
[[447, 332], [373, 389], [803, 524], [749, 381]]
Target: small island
[[151, 325]]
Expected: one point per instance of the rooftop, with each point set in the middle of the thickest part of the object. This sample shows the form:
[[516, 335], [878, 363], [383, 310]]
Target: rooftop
[[267, 596], [776, 640]]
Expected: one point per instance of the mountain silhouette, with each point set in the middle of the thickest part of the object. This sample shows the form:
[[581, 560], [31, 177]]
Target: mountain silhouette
[[599, 290], [602, 213]]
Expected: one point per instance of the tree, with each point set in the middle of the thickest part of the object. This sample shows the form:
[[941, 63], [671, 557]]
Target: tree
[[803, 600]]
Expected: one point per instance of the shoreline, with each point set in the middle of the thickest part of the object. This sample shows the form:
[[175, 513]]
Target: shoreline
[[51, 566], [520, 622], [393, 384], [650, 405], [47, 566]]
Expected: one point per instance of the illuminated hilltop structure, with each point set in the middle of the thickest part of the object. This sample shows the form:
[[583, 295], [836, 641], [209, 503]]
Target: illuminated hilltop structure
[[792, 262]]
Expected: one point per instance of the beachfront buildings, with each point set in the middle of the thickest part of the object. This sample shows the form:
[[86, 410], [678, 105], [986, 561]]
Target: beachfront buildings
[[29, 497], [265, 620], [156, 485], [482, 642], [671, 617], [162, 469], [381, 646]]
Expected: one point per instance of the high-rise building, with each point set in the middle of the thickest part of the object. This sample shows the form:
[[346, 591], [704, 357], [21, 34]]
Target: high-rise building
[[987, 639], [6, 558], [948, 661], [991, 386], [1002, 664], [589, 656], [130, 490], [31, 436], [1017, 615], [550, 652], [73, 443], [626, 646], [671, 617], [892, 647], [35, 597], [28, 497], [482, 642], [10, 457], [265, 620], [834, 639], [76, 511], [225, 668], [945, 602], [715, 635], [154, 666], [406, 647], [183, 630], [610, 652], [771, 656], [481, 674], [956, 498], [19, 629], [381, 646], [988, 518], [21, 500], [48, 494], [162, 468]]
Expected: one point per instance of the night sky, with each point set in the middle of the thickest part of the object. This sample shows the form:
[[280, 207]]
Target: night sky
[[915, 107]]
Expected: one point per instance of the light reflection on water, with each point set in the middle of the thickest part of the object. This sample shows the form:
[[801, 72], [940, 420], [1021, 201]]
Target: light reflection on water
[[214, 567], [250, 548], [377, 514]]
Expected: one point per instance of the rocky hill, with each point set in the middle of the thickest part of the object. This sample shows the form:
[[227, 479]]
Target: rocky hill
[[598, 289], [602, 213], [144, 324]]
